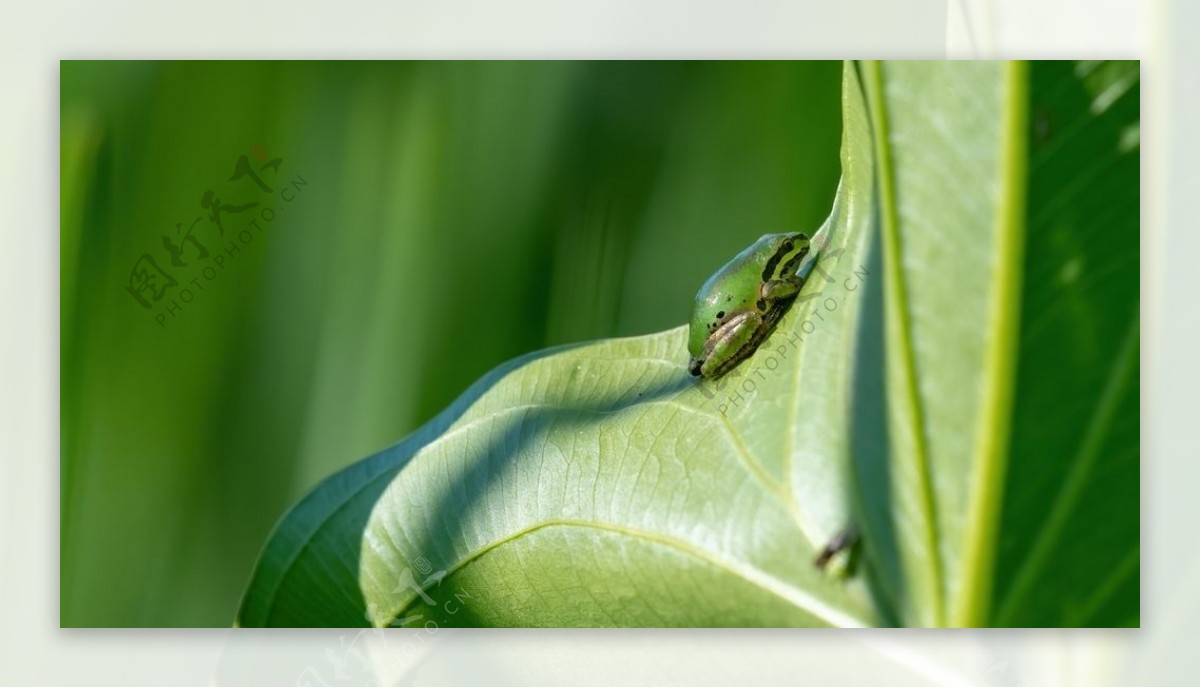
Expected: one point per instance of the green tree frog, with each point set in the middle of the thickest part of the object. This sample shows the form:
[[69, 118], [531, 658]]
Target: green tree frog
[[740, 304]]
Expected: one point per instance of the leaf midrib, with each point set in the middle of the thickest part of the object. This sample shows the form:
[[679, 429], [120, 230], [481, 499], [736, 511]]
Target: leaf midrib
[[895, 300], [791, 594], [1000, 360]]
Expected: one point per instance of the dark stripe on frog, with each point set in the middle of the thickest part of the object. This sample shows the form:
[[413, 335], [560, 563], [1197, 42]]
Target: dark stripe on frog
[[789, 268], [769, 271]]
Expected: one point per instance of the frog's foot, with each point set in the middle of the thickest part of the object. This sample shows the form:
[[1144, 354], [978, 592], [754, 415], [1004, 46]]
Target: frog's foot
[[778, 289], [844, 540]]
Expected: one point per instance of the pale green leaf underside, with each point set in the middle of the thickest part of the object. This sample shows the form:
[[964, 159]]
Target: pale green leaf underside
[[942, 129]]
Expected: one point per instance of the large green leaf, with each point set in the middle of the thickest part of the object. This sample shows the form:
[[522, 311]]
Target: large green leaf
[[948, 255], [960, 374], [599, 485], [1009, 215]]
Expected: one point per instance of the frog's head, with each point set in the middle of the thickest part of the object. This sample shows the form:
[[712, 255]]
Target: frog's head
[[786, 252]]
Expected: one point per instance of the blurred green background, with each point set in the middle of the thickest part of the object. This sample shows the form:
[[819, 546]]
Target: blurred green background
[[386, 233]]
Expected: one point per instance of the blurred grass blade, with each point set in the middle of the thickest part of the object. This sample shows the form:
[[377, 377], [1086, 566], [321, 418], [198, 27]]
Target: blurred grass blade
[[1069, 532]]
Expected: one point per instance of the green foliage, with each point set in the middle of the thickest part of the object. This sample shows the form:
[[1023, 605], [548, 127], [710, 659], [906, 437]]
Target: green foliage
[[601, 486], [457, 215], [1069, 531], [960, 378], [975, 399], [1010, 211]]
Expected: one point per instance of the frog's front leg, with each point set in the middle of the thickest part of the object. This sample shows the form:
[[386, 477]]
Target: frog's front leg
[[727, 346], [776, 289]]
